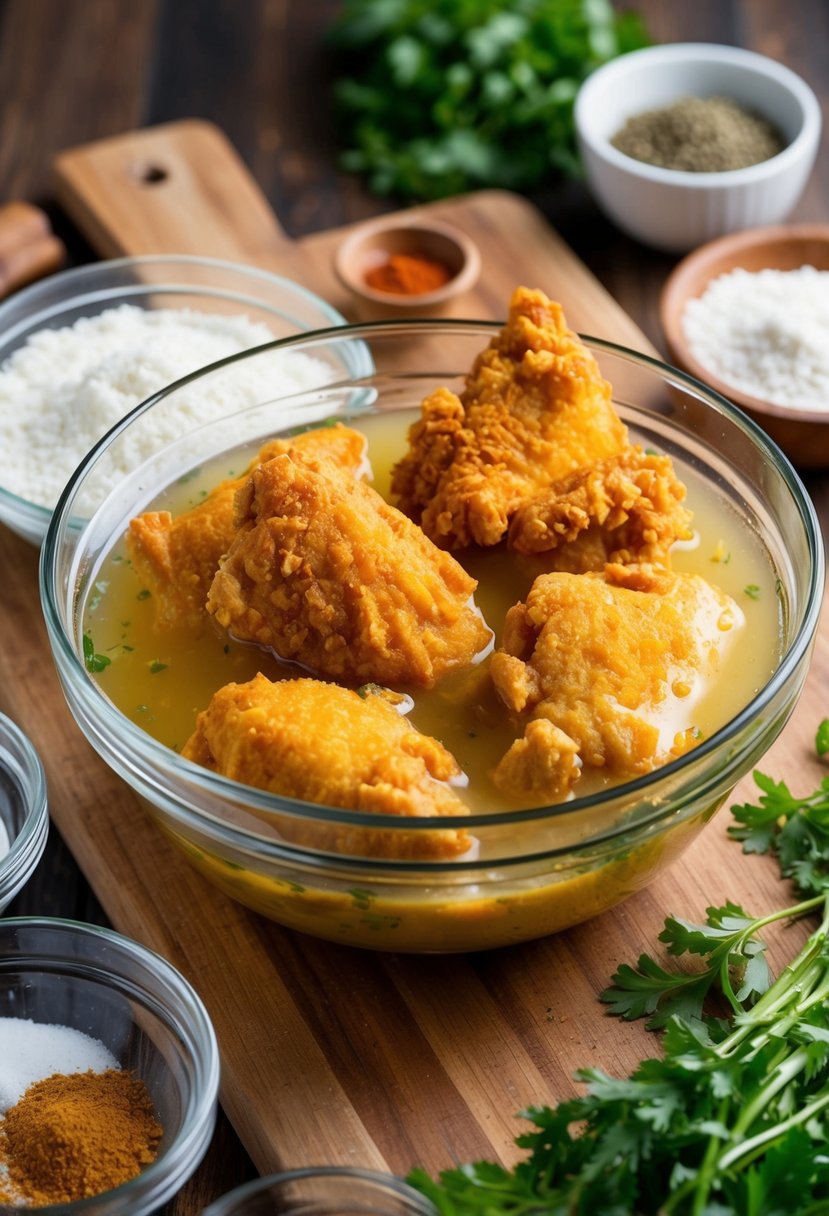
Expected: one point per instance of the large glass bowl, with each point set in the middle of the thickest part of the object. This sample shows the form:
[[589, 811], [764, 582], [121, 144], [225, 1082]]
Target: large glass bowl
[[538, 870], [150, 282]]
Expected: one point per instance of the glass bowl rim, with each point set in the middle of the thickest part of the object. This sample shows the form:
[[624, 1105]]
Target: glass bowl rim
[[200, 1045], [35, 513], [225, 1204], [26, 846], [164, 759]]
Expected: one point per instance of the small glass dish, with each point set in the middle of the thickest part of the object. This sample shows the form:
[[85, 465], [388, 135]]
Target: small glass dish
[[202, 285], [24, 815], [61, 972], [323, 1191]]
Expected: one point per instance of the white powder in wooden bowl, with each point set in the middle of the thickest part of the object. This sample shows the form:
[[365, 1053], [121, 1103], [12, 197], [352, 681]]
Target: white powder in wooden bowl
[[65, 388], [765, 333]]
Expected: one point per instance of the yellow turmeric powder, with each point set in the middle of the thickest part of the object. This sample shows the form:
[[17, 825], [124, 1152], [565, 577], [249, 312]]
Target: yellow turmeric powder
[[75, 1135]]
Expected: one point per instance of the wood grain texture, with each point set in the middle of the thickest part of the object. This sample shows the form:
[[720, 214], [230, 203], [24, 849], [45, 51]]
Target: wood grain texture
[[177, 188], [206, 203], [84, 70], [331, 1054]]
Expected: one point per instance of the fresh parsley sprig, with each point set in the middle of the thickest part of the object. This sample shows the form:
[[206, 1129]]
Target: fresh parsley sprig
[[795, 829], [733, 1120], [435, 97], [733, 953]]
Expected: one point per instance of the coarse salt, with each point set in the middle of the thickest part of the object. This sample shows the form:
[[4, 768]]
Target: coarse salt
[[31, 1051], [765, 333], [64, 389]]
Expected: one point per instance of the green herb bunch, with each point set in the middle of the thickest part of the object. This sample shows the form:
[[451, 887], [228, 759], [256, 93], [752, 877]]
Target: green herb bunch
[[437, 97], [733, 1120]]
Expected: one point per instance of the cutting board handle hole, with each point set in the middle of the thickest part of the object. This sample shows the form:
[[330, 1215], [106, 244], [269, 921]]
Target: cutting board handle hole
[[150, 174]]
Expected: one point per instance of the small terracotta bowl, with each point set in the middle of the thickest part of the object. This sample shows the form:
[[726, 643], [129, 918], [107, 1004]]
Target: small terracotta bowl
[[802, 434], [371, 244]]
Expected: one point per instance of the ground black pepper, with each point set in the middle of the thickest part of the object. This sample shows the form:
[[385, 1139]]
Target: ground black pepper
[[699, 135]]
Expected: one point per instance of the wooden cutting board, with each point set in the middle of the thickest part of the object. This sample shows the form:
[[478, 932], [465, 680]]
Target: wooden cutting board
[[182, 188], [332, 1055]]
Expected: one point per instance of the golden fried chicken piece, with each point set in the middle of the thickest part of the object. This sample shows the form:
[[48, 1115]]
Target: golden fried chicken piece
[[177, 558], [327, 574], [628, 508], [324, 744], [617, 661], [534, 408], [542, 767]]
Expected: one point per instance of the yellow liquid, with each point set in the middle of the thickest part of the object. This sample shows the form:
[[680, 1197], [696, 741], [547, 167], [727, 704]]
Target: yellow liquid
[[491, 909], [161, 680]]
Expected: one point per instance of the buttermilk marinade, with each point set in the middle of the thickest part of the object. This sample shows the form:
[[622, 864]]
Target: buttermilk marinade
[[162, 680], [622, 613]]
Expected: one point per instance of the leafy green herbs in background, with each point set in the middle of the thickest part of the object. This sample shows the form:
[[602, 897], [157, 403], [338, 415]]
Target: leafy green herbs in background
[[733, 1120], [437, 97]]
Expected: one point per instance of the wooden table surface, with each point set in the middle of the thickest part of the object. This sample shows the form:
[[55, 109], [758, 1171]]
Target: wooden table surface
[[72, 71]]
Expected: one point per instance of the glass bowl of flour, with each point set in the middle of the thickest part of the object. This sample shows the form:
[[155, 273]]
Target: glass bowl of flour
[[81, 349]]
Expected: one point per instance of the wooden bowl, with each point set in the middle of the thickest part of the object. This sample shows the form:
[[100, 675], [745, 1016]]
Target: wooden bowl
[[802, 434], [372, 244]]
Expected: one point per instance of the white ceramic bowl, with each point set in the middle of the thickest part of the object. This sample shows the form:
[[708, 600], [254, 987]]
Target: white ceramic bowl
[[675, 210], [150, 282]]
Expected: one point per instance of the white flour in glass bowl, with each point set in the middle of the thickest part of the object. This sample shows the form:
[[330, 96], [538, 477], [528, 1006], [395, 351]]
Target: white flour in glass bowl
[[64, 389]]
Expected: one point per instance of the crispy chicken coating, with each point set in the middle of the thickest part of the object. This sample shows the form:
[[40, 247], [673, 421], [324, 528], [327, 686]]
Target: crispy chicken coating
[[324, 744], [626, 509], [177, 558], [541, 767], [534, 408], [617, 661], [325, 573]]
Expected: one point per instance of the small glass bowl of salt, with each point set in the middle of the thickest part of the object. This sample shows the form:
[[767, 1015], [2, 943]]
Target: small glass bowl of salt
[[24, 818], [79, 999]]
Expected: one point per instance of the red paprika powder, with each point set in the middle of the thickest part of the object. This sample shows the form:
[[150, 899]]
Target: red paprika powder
[[408, 274]]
